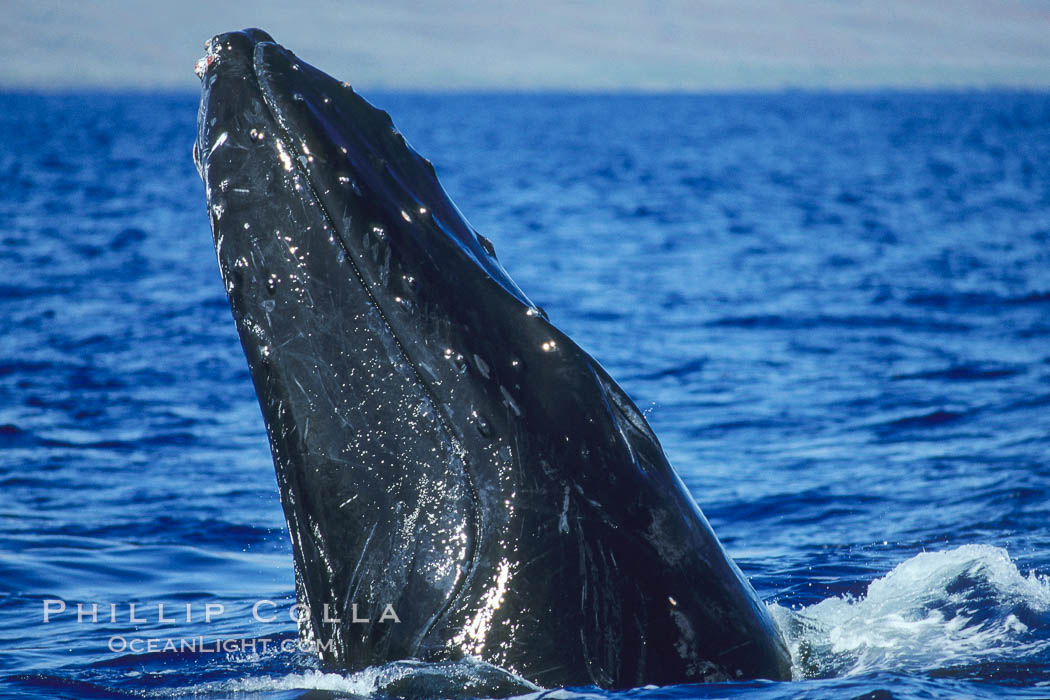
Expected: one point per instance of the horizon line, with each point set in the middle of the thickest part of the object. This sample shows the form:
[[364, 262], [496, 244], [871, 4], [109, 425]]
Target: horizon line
[[31, 89]]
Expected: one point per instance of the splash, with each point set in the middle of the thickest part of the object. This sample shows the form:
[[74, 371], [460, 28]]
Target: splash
[[363, 683], [461, 679], [937, 610]]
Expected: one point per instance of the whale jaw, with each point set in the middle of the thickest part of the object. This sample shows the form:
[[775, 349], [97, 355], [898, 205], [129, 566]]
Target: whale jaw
[[442, 450]]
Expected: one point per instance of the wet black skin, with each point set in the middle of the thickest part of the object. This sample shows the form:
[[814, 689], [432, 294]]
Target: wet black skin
[[440, 446]]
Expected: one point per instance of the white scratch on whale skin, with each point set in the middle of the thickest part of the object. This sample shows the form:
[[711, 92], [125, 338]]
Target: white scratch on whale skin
[[218, 142], [563, 519]]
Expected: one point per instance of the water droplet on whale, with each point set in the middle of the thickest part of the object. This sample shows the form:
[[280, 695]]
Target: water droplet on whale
[[482, 424], [457, 361]]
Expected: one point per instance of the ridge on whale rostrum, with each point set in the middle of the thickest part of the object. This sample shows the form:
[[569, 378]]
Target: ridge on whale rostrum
[[453, 468]]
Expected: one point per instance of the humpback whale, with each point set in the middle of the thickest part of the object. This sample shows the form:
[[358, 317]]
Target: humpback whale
[[459, 478]]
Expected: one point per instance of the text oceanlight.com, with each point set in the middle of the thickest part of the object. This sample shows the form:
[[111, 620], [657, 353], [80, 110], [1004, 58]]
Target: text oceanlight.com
[[199, 645]]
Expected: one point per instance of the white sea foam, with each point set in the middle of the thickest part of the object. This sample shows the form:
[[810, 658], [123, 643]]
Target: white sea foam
[[364, 682], [934, 611], [467, 678]]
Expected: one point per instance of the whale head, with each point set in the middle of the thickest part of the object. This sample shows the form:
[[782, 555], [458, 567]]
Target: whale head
[[459, 477]]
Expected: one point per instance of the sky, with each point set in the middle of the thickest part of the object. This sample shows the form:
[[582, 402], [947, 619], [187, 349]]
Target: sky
[[576, 45]]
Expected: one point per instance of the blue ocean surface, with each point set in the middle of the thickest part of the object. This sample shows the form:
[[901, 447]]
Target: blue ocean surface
[[834, 310]]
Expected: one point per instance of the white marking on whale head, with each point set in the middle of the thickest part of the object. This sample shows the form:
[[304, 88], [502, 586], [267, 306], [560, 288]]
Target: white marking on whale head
[[218, 142]]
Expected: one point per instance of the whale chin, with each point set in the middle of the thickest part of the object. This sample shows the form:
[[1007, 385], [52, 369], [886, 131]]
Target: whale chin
[[459, 478]]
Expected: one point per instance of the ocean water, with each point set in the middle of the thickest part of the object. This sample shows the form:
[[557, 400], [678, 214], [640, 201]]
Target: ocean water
[[833, 309]]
